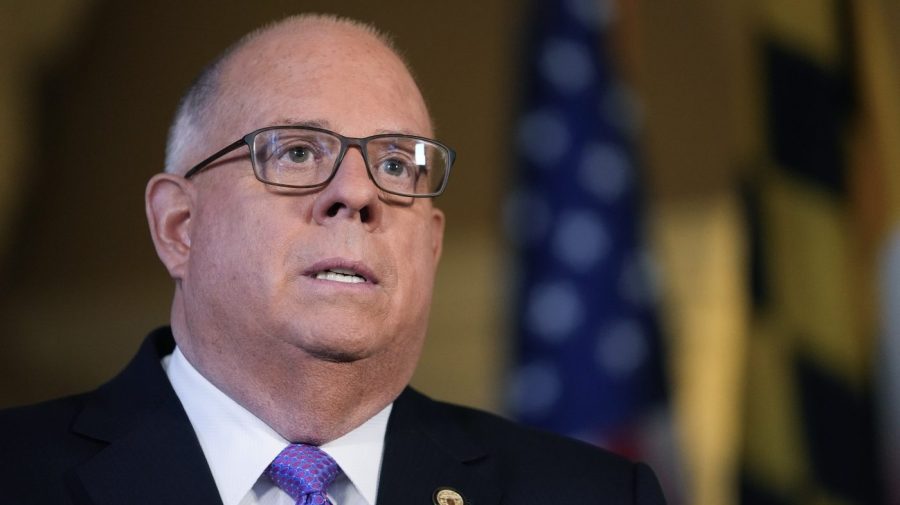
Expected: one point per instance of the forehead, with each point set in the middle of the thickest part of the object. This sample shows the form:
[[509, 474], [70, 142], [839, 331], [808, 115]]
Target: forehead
[[313, 72]]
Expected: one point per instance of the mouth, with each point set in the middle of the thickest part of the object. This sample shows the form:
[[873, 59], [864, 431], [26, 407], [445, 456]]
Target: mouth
[[340, 275], [342, 271]]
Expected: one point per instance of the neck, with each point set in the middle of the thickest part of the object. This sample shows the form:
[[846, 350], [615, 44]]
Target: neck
[[303, 398], [311, 401]]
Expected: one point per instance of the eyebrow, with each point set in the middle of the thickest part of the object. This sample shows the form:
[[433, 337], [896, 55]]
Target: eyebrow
[[314, 123], [324, 124]]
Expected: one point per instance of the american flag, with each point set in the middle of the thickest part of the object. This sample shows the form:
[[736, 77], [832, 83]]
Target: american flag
[[588, 362]]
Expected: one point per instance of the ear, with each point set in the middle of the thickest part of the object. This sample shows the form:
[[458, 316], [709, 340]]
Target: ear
[[169, 203], [437, 233]]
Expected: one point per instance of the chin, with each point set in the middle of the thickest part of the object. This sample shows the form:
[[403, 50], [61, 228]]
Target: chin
[[336, 345], [336, 355]]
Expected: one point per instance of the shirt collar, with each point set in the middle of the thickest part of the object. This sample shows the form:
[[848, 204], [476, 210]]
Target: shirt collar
[[238, 446]]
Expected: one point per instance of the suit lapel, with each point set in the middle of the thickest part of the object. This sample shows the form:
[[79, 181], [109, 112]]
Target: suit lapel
[[424, 452], [152, 455]]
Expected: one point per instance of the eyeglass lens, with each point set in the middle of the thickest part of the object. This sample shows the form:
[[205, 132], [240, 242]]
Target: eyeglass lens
[[298, 157]]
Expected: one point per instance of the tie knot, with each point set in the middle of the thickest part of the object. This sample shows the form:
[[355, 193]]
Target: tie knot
[[304, 472]]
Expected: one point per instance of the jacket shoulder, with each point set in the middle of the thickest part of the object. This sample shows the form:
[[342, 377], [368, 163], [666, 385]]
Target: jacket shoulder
[[43, 445], [33, 427], [533, 465], [38, 450], [517, 442]]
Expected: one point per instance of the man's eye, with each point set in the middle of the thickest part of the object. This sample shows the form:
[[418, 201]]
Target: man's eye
[[394, 168], [299, 154]]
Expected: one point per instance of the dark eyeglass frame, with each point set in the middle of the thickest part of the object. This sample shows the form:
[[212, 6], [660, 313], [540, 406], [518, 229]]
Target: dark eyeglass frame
[[346, 143]]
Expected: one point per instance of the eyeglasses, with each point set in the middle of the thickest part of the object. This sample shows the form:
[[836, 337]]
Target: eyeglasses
[[308, 157]]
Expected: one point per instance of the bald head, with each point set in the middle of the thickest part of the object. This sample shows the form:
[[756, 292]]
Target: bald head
[[216, 93]]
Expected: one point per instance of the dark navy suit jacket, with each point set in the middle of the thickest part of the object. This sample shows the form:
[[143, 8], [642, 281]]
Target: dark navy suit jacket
[[130, 442]]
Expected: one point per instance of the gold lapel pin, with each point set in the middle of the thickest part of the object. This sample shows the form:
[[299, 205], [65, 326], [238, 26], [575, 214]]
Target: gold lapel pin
[[447, 496]]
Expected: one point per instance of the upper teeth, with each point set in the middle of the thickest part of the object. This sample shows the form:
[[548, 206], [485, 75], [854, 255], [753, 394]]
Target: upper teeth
[[340, 275]]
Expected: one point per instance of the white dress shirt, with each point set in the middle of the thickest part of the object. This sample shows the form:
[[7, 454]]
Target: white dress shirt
[[238, 446]]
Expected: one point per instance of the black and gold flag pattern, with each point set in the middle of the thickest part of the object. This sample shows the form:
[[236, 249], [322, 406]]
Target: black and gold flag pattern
[[809, 416]]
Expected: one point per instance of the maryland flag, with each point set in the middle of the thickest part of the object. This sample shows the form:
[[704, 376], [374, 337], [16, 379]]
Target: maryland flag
[[820, 208]]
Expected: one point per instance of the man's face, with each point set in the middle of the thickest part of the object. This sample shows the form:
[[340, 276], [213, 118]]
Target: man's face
[[253, 283]]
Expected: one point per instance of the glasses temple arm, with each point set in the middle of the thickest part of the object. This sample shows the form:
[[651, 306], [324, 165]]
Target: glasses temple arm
[[208, 161]]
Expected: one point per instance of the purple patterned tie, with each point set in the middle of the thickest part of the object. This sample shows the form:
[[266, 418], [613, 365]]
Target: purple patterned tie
[[304, 472]]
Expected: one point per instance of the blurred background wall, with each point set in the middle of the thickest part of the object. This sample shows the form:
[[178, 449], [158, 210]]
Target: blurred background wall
[[769, 244]]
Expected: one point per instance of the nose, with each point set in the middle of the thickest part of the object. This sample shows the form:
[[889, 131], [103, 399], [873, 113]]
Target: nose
[[350, 194]]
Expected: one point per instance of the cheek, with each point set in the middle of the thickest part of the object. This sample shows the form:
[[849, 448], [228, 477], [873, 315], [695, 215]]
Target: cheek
[[236, 249], [417, 266]]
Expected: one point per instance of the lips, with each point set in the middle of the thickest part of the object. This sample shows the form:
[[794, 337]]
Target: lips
[[343, 271], [341, 275]]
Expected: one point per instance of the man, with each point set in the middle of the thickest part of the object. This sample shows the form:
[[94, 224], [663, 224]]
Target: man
[[303, 255]]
